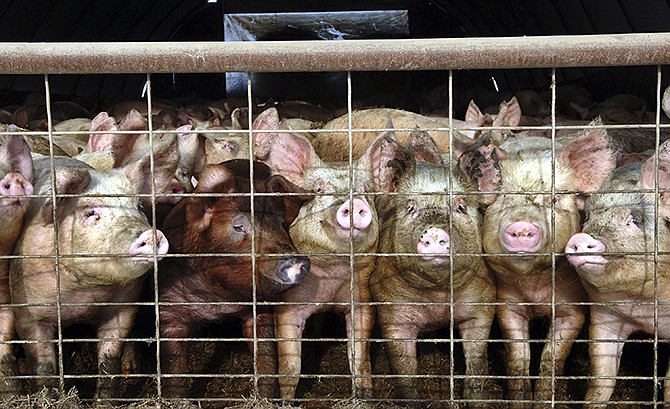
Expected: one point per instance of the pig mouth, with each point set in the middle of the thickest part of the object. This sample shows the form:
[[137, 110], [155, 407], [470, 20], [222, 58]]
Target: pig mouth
[[355, 233], [436, 260], [148, 259], [591, 264], [13, 202]]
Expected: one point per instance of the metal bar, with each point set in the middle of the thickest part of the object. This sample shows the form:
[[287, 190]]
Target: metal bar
[[346, 55]]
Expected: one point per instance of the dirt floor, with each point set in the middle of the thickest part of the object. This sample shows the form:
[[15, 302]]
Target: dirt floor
[[321, 359]]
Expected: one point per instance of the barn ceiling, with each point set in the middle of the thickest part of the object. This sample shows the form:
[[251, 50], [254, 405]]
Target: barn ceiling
[[199, 20]]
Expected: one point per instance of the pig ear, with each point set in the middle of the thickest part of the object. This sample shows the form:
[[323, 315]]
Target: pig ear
[[16, 152], [424, 147], [292, 203], [213, 179], [473, 114], [235, 119], [166, 159], [69, 181], [101, 141], [194, 144], [133, 121], [648, 177], [587, 160], [266, 120], [665, 103], [387, 160], [481, 162], [291, 155], [509, 113]]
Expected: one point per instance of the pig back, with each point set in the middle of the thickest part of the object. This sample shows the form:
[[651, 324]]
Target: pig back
[[334, 146]]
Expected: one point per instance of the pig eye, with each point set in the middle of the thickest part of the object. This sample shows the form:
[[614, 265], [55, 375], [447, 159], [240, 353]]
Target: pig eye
[[92, 214], [239, 228], [411, 207], [460, 208], [634, 218]]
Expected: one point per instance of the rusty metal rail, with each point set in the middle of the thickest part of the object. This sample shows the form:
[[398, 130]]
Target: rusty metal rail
[[346, 55]]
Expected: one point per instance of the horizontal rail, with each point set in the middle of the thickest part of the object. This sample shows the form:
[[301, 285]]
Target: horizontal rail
[[345, 55]]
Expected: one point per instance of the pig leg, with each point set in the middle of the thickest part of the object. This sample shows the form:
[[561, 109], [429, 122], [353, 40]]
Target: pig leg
[[476, 329], [566, 329], [666, 389], [360, 365], [110, 351], [514, 325], [290, 324], [401, 354], [41, 355], [174, 357], [605, 357], [8, 366], [266, 358]]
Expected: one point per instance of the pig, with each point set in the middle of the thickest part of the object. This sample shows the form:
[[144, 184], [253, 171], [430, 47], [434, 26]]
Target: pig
[[434, 232], [614, 257], [341, 218], [16, 168], [224, 225], [524, 225], [333, 146], [57, 287]]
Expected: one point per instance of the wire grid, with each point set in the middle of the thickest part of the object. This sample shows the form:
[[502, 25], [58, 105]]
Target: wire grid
[[453, 374]]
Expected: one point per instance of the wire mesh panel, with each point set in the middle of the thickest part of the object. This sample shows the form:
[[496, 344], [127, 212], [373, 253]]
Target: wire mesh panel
[[505, 252]]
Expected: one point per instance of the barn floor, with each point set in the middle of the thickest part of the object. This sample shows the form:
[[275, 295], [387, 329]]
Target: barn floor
[[330, 358]]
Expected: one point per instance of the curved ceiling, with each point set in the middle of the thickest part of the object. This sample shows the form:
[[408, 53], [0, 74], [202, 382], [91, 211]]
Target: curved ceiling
[[196, 20]]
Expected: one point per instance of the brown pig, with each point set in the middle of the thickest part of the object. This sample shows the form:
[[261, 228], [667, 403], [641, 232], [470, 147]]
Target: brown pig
[[105, 247], [523, 226], [334, 227], [16, 168], [225, 225], [433, 232], [628, 284]]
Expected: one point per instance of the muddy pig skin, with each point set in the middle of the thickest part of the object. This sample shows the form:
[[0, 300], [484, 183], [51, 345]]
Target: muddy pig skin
[[432, 230], [518, 238], [118, 245], [224, 225], [16, 169], [341, 218], [624, 223]]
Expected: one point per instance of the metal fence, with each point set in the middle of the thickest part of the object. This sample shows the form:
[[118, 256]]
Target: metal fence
[[223, 370]]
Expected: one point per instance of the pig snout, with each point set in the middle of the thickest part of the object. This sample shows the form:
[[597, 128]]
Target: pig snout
[[293, 270], [14, 184], [585, 243], [521, 237], [357, 210], [145, 245], [434, 241]]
